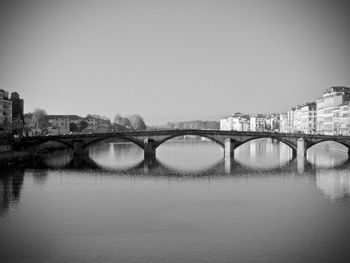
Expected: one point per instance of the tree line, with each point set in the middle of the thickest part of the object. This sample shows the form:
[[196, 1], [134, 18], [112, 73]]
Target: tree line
[[131, 122], [120, 123]]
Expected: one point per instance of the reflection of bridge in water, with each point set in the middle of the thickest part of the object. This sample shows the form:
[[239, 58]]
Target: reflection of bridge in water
[[225, 166], [333, 182]]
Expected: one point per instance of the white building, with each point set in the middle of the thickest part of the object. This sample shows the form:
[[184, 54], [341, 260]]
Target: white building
[[305, 118], [326, 109], [272, 122], [308, 118], [235, 122], [290, 120], [344, 118], [283, 125], [258, 123], [297, 119], [225, 124]]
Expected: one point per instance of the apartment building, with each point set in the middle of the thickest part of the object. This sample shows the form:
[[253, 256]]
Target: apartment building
[[258, 123], [236, 122], [5, 112], [327, 121]]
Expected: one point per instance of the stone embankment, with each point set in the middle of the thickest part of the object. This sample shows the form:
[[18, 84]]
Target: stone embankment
[[25, 158]]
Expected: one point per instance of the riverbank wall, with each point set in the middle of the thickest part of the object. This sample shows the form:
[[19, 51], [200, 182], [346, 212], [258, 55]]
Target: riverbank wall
[[25, 158]]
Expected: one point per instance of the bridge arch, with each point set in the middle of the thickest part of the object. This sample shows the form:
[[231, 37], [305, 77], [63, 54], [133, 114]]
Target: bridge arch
[[310, 144], [160, 142], [291, 145], [98, 140]]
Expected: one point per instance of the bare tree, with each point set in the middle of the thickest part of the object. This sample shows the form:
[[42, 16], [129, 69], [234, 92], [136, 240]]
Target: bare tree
[[137, 122], [38, 115], [82, 125], [118, 119]]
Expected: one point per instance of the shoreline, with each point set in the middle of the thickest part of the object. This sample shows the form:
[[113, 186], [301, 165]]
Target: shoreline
[[23, 158]]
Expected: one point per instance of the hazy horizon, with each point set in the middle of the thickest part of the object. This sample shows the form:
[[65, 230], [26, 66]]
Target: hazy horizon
[[172, 60]]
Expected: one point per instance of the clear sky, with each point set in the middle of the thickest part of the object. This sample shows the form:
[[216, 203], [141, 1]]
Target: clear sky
[[172, 60]]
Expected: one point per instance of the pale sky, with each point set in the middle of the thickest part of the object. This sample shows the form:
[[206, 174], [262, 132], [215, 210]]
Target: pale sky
[[172, 60]]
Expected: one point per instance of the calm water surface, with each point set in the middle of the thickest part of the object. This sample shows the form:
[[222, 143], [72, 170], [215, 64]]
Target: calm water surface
[[191, 205]]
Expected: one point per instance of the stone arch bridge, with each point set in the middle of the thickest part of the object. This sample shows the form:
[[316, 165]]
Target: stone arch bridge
[[150, 140]]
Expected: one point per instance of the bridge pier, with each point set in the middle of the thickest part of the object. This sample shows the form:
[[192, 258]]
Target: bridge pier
[[79, 152], [229, 150], [148, 164], [301, 147], [230, 165], [301, 162], [149, 154], [149, 149]]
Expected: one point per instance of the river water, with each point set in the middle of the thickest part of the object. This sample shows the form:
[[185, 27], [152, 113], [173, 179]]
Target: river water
[[190, 205]]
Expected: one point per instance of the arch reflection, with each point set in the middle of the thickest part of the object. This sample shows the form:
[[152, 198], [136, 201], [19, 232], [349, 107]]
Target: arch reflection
[[264, 154], [116, 156], [190, 154], [58, 159], [335, 184], [162, 168]]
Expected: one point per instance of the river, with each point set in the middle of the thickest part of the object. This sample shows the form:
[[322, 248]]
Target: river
[[190, 205]]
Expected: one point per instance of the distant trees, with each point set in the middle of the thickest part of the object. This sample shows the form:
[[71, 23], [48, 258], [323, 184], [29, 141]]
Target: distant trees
[[28, 116], [128, 123], [118, 119], [137, 122], [82, 125], [37, 118], [120, 128], [131, 122], [73, 127], [39, 113]]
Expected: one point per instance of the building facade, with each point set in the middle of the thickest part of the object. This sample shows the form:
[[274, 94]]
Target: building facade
[[258, 123], [290, 120], [17, 113], [97, 124], [304, 118], [57, 124], [327, 111], [283, 123], [344, 118], [5, 112], [235, 122], [297, 119], [308, 118], [273, 122]]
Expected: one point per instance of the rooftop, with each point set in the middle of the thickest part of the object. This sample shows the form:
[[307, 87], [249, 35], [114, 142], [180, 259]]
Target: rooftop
[[72, 117]]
